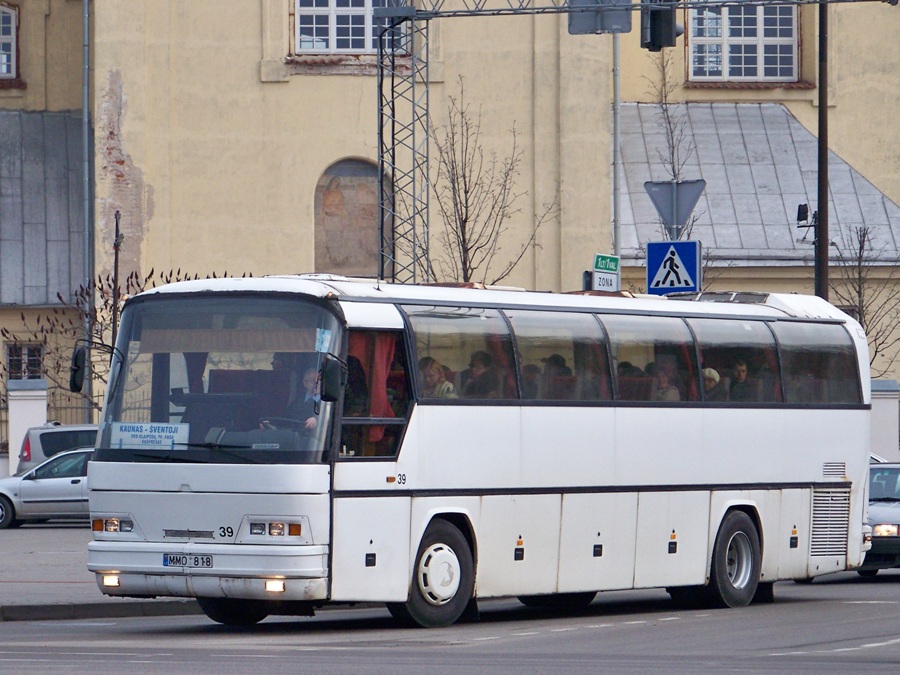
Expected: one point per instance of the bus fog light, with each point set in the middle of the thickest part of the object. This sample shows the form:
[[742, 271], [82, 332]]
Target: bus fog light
[[111, 580], [276, 529], [257, 528], [126, 526], [884, 530], [274, 585]]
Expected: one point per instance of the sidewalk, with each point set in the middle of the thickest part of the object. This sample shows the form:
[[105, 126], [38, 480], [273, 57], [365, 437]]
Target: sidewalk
[[44, 576]]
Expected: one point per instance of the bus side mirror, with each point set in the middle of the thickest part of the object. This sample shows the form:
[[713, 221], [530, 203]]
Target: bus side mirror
[[76, 370], [332, 379]]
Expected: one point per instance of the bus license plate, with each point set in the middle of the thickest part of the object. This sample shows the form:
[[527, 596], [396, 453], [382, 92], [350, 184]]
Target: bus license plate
[[183, 560]]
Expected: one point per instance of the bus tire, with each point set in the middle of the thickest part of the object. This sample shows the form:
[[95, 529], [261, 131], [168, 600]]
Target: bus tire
[[867, 573], [7, 514], [232, 612], [559, 601], [736, 560], [443, 579]]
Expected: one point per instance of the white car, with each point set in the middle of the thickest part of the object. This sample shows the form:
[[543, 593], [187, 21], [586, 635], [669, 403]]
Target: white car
[[56, 489]]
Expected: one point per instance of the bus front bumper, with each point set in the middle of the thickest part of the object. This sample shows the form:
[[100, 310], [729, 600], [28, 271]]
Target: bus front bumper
[[138, 569]]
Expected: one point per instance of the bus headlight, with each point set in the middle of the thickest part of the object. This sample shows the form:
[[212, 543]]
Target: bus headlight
[[884, 530], [276, 529], [112, 525]]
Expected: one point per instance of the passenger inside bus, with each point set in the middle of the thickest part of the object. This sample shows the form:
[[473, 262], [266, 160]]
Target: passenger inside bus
[[665, 390], [712, 386], [303, 407], [434, 379], [480, 380], [743, 387]]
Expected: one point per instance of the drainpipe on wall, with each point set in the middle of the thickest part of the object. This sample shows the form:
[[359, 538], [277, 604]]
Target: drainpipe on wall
[[88, 224]]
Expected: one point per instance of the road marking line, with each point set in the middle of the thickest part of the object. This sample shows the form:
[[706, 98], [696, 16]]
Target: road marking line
[[870, 645]]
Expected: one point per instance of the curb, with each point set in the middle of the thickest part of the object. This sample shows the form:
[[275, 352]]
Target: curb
[[98, 610]]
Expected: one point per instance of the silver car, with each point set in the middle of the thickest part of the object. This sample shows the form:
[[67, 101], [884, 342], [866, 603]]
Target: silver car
[[57, 489], [43, 442], [884, 517]]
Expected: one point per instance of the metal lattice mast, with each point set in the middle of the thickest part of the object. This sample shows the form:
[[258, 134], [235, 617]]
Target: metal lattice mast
[[403, 142]]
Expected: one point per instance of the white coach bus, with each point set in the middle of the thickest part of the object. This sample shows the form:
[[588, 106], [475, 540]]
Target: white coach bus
[[271, 445]]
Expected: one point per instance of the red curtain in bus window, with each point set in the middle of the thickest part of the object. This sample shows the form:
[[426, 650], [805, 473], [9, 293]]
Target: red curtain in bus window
[[381, 368], [775, 382], [691, 385], [375, 352]]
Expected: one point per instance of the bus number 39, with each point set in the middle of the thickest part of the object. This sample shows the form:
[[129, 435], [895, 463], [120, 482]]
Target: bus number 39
[[226, 532]]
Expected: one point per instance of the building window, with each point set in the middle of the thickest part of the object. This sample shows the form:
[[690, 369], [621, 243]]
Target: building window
[[744, 43], [24, 362], [8, 47], [342, 27]]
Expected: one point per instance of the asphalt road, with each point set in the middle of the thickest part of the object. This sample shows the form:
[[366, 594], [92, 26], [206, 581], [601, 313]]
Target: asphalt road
[[839, 625]]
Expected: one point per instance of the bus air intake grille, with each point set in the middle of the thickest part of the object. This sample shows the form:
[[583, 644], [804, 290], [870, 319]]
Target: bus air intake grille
[[830, 522], [189, 534], [834, 469]]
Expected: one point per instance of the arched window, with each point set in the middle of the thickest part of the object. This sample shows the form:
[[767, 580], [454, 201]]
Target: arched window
[[347, 219], [8, 48]]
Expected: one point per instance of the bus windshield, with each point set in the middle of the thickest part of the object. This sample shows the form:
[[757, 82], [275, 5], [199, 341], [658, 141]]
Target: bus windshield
[[219, 380]]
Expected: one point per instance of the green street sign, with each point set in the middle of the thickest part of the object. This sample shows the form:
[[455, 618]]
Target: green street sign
[[606, 263]]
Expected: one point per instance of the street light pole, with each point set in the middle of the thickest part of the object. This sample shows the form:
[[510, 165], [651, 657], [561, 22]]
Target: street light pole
[[821, 253]]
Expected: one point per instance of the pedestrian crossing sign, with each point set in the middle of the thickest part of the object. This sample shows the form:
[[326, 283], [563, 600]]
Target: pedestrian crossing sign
[[673, 266]]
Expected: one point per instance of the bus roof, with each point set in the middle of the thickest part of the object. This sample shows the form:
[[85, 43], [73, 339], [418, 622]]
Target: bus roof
[[347, 289]]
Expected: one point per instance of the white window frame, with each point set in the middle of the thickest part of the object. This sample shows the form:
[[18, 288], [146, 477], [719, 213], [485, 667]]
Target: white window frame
[[30, 361], [754, 38], [331, 18], [9, 67]]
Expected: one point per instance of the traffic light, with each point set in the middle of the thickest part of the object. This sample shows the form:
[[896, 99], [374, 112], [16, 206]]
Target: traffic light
[[658, 26]]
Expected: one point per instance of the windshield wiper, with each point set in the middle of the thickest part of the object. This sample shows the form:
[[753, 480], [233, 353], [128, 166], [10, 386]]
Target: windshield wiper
[[885, 499]]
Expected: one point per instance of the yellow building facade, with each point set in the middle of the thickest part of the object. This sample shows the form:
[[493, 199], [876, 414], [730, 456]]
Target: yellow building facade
[[228, 143]]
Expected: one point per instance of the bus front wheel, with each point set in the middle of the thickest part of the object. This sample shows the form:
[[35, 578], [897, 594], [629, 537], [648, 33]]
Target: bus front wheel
[[736, 561], [443, 579], [231, 612]]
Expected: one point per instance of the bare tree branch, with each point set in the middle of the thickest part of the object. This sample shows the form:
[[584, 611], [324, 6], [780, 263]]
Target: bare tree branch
[[865, 285], [476, 195]]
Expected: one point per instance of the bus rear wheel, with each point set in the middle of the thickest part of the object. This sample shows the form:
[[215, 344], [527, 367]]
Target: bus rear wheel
[[231, 612], [736, 561], [443, 579]]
